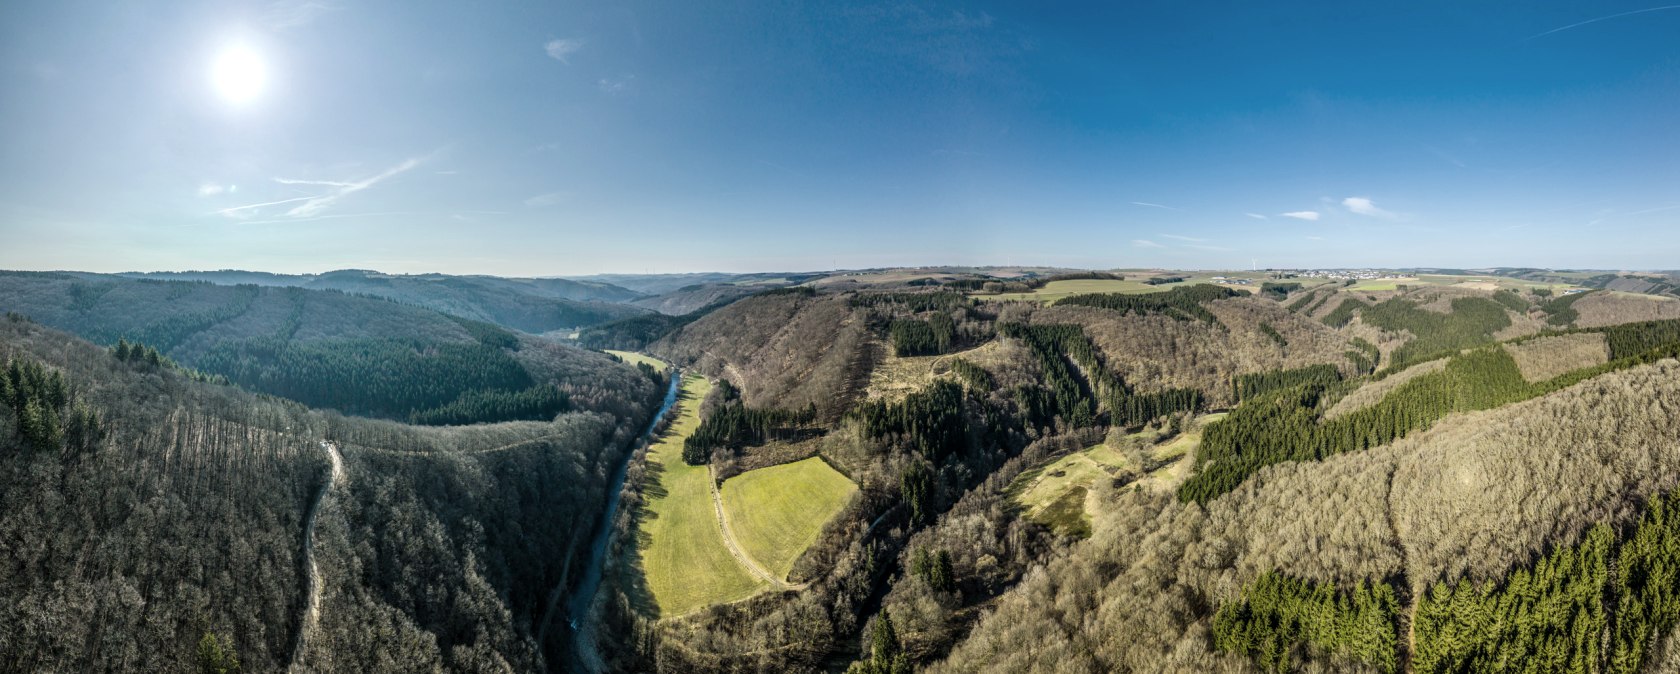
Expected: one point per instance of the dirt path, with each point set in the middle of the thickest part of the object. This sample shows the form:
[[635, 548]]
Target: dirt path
[[312, 573], [735, 549]]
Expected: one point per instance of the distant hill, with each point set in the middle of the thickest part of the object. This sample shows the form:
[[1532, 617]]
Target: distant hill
[[356, 354], [531, 305], [658, 284], [688, 299]]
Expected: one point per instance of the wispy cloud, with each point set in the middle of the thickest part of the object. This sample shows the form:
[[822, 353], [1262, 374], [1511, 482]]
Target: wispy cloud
[[1617, 15], [1183, 238], [317, 204], [322, 183], [213, 189], [1257, 216], [562, 49], [1314, 238], [1363, 206], [1145, 203], [1301, 215], [249, 210], [284, 15], [311, 206], [1146, 243], [546, 200], [615, 85]]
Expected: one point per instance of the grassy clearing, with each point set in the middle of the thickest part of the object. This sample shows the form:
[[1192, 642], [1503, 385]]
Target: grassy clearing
[[777, 512], [1055, 494], [633, 358], [685, 561]]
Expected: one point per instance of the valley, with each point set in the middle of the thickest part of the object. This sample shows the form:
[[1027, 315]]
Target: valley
[[777, 480]]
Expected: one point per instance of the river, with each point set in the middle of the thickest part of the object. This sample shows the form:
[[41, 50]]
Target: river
[[577, 610]]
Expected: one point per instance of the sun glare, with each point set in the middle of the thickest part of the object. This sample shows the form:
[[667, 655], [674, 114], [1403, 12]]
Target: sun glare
[[238, 74]]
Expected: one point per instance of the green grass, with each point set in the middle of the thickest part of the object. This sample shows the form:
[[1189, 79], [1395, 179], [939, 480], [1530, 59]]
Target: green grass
[[777, 512], [633, 358], [685, 561]]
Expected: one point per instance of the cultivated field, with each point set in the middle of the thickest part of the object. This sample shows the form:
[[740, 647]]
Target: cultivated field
[[685, 561], [777, 512], [633, 358]]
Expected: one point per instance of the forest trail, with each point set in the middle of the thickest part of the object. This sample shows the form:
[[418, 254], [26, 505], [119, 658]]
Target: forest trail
[[735, 549], [312, 573]]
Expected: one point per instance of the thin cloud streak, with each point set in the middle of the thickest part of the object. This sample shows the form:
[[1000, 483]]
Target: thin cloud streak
[[317, 204], [1146, 243], [1183, 238], [1602, 18], [1301, 215], [1163, 206]]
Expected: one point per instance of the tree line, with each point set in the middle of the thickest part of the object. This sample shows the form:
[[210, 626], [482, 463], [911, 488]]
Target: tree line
[[45, 413], [1183, 303], [734, 425]]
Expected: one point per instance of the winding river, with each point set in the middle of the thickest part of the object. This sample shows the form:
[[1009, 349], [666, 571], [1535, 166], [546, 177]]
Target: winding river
[[577, 610]]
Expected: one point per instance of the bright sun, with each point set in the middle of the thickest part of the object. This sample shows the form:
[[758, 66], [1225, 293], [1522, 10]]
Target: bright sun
[[238, 74]]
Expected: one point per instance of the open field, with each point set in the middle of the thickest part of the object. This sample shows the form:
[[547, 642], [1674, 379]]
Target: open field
[[685, 561], [777, 512], [633, 358]]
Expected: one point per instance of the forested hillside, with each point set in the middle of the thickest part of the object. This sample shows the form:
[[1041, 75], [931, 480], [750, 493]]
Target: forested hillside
[[157, 523], [360, 355]]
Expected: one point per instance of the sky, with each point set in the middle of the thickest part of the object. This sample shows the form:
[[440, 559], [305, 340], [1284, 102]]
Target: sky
[[565, 138]]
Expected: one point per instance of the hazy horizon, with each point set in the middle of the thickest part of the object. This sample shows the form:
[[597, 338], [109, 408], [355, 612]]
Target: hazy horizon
[[566, 140]]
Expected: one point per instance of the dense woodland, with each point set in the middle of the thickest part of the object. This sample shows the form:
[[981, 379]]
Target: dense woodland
[[154, 522], [1409, 480]]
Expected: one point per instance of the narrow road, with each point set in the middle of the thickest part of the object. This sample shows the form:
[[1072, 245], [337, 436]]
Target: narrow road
[[312, 574], [735, 549]]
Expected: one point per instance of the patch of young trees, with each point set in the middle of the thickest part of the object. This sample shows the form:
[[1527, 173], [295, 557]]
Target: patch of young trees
[[1272, 334], [1163, 280], [537, 403], [914, 337], [1473, 321], [973, 376], [1278, 290], [45, 413], [1591, 607], [912, 302], [1255, 384], [1279, 617], [1183, 303]]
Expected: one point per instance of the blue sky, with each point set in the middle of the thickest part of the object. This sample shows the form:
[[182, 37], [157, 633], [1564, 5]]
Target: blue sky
[[575, 138]]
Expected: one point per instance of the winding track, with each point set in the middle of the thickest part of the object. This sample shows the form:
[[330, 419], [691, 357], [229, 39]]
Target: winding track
[[735, 549], [312, 574]]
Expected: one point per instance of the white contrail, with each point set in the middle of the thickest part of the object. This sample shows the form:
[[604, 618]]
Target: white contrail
[[1602, 18]]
